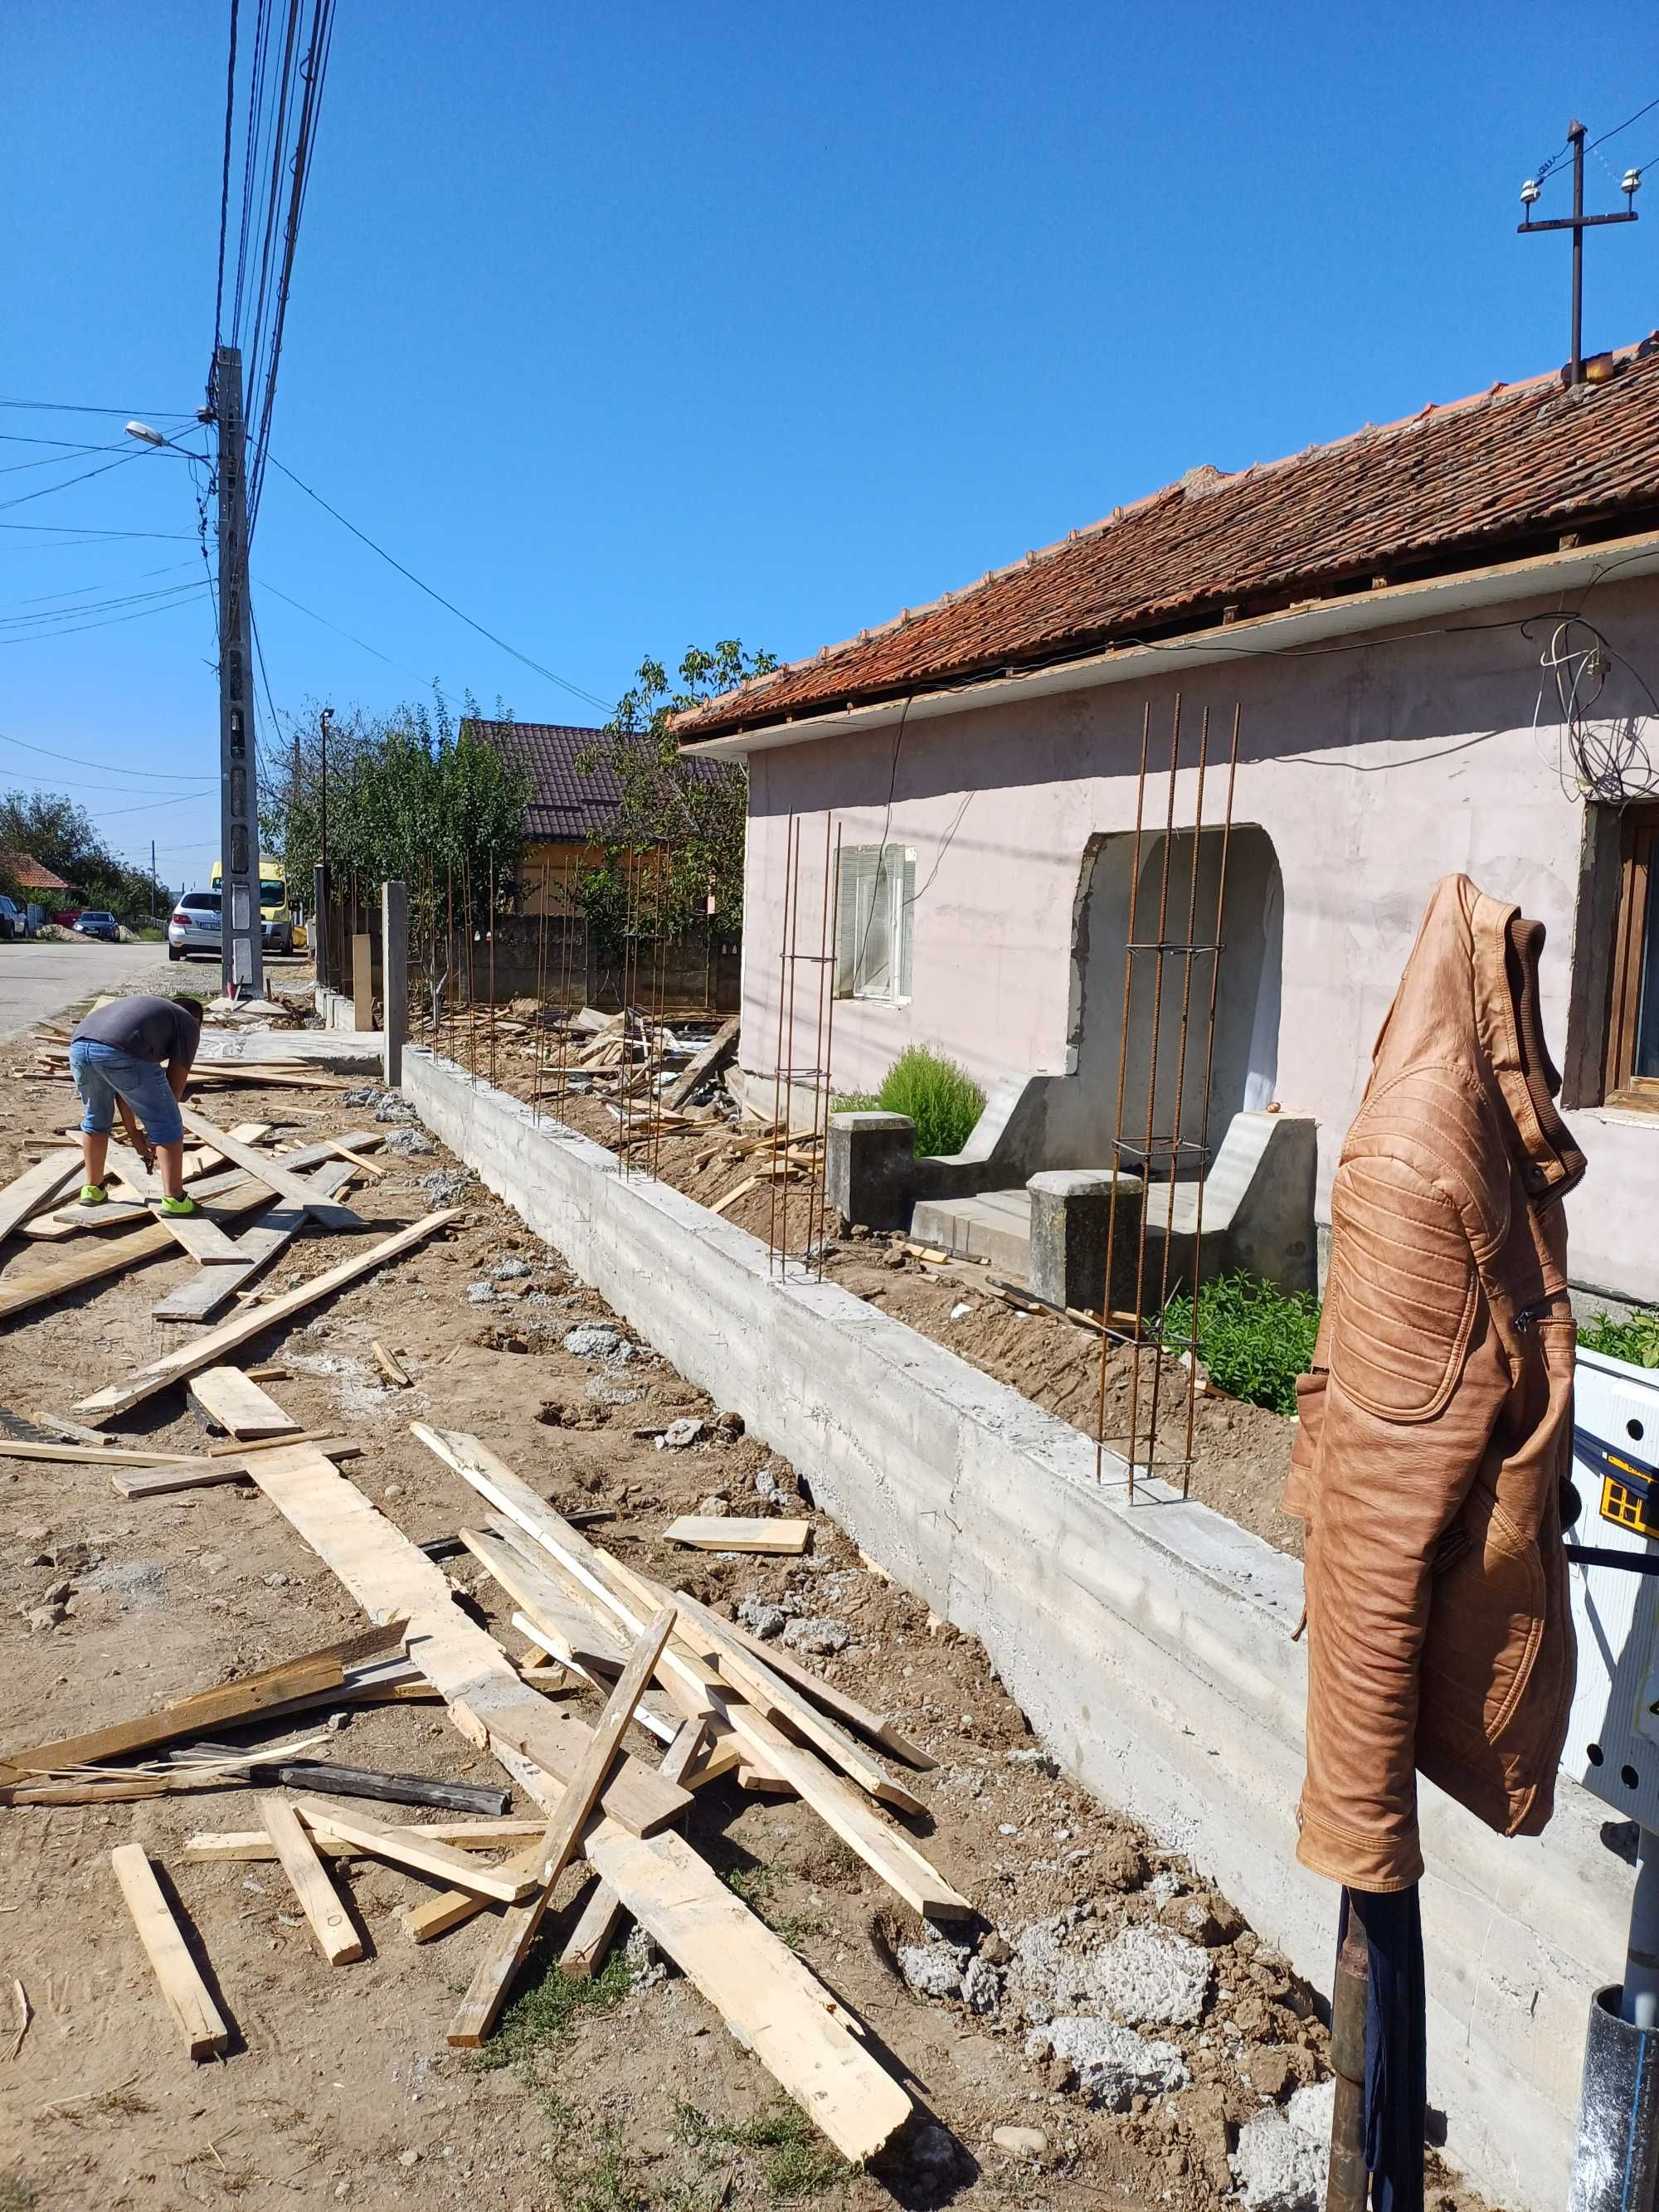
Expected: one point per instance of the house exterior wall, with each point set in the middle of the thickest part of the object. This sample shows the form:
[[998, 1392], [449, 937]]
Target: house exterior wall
[[1375, 768]]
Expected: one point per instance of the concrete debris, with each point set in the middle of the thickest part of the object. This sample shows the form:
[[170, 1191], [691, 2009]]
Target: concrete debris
[[480, 1294], [393, 1107], [443, 1186], [678, 1435], [761, 1618], [1149, 1979], [766, 1484], [1111, 2064], [820, 1639], [961, 1310], [1033, 1756], [982, 1988], [592, 1339], [1204, 1918], [1312, 2109], [932, 1969], [644, 1961], [1279, 2165], [509, 1270], [409, 1144], [1163, 1887], [1020, 2143]]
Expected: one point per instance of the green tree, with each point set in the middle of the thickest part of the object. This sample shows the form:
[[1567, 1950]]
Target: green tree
[[693, 812], [51, 828]]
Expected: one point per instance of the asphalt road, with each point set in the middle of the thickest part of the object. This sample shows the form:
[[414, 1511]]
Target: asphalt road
[[38, 979]]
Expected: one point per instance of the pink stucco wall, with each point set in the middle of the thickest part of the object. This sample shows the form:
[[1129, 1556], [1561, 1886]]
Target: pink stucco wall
[[1374, 771]]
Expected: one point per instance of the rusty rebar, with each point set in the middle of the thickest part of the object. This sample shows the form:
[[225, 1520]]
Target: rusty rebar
[[789, 838], [822, 1036], [1122, 1074]]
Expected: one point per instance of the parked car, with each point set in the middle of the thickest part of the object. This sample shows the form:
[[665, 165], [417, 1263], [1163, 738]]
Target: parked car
[[194, 927], [14, 923], [94, 921]]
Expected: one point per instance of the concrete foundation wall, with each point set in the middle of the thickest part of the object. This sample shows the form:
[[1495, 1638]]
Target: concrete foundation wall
[[1372, 772], [1150, 1644]]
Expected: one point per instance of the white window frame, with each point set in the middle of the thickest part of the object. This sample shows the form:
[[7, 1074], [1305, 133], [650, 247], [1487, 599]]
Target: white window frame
[[875, 902]]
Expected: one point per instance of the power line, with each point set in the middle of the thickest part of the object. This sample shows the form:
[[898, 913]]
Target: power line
[[67, 407], [564, 684], [1625, 126], [338, 632], [46, 491], [148, 775], [85, 534], [31, 637], [224, 187]]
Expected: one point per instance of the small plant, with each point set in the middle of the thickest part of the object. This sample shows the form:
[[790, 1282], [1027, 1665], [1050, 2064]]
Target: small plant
[[939, 1095], [1636, 1340], [544, 2012], [798, 2164], [1254, 1339]]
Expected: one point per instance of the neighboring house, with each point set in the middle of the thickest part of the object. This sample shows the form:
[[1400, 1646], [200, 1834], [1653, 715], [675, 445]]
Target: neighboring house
[[43, 887], [1442, 636]]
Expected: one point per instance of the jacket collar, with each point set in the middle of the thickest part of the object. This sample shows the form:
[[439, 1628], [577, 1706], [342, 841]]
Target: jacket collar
[[1469, 998]]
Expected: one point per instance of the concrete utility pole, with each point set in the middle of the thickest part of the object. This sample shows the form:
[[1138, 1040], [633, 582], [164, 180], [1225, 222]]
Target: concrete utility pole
[[241, 963]]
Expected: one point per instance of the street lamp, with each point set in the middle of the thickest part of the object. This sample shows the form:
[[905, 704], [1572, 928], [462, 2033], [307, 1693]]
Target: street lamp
[[145, 435]]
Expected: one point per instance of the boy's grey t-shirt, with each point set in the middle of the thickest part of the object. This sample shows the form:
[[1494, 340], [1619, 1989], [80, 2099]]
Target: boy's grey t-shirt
[[149, 1028]]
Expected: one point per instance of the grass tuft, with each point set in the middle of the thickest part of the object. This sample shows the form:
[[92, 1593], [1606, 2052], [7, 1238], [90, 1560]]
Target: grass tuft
[[939, 1095], [798, 2164], [543, 2014], [1255, 1340]]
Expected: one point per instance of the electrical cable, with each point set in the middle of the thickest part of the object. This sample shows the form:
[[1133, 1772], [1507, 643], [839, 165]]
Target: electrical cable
[[104, 622], [363, 642], [224, 186], [1625, 126], [148, 774], [605, 706], [46, 491], [85, 534]]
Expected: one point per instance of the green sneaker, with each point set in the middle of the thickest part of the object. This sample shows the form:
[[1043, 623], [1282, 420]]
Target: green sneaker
[[92, 1194], [177, 1209]]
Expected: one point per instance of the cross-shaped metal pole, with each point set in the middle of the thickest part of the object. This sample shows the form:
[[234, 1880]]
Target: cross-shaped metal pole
[[1577, 222]]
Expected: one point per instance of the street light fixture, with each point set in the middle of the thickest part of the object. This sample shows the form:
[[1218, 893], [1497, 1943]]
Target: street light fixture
[[145, 435]]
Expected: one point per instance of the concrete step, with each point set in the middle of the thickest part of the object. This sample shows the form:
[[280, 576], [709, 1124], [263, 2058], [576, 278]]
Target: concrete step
[[996, 1226]]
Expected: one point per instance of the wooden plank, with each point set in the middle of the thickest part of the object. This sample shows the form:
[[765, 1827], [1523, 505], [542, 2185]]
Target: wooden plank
[[653, 1717], [205, 1474], [387, 1575], [715, 1056], [202, 1239], [601, 1916], [321, 1903], [183, 1991], [210, 1350], [731, 1532], [574, 1637], [771, 2002], [36, 1187], [23, 1289], [241, 1407], [89, 1455], [362, 980], [737, 1191], [407, 1847], [280, 1178], [213, 1289], [211, 1845], [496, 1970], [201, 1163], [883, 1849], [390, 1366], [191, 1715], [835, 1700]]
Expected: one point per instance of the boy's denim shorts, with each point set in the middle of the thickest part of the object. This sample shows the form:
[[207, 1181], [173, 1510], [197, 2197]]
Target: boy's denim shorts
[[102, 1073]]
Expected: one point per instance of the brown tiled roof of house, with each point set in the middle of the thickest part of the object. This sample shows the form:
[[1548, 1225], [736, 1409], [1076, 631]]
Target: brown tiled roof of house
[[26, 872], [568, 806], [1454, 485]]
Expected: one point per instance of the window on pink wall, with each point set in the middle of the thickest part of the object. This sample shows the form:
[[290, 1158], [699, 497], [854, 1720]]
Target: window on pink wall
[[875, 905]]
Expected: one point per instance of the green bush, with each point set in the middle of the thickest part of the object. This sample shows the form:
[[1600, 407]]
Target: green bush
[[1254, 1339], [939, 1095], [1636, 1340]]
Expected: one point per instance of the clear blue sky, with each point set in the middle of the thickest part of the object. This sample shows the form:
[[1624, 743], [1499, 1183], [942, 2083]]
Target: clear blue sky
[[633, 327]]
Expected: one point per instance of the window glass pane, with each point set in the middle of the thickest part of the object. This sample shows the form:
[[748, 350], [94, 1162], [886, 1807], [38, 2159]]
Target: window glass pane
[[875, 928]]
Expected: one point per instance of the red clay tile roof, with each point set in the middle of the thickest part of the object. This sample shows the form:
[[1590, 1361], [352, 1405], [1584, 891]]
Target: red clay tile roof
[[1465, 482], [566, 805], [27, 873]]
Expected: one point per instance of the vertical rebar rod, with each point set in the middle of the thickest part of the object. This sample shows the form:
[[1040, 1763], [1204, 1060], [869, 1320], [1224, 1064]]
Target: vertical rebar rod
[[782, 1177], [453, 984], [492, 970], [777, 1080], [820, 1077], [1187, 958], [1151, 1099], [538, 1061], [1122, 1072]]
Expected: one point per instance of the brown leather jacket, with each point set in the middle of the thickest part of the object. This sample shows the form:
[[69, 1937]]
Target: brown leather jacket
[[1436, 1425]]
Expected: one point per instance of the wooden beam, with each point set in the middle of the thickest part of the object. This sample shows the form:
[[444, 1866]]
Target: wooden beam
[[715, 1056], [280, 1178], [601, 1916], [184, 1991], [213, 1289], [23, 1289], [241, 1407], [731, 1532], [407, 1847], [211, 1845], [37, 1186], [516, 1931], [206, 1473], [390, 1366], [208, 1351], [324, 1908], [835, 1700]]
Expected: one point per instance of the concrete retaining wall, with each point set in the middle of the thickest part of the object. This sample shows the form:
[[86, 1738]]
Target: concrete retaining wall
[[1150, 1644]]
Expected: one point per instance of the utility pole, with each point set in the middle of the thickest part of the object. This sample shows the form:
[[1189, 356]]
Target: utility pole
[[1577, 222], [241, 963], [151, 893]]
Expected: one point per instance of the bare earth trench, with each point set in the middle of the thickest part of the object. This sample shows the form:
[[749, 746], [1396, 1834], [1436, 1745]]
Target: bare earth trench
[[339, 2087]]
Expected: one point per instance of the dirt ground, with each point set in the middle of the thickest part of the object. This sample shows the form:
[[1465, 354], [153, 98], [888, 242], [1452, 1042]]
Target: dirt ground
[[609, 2097]]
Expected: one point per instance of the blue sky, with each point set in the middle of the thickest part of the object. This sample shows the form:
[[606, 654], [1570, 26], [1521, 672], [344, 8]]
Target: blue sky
[[633, 327]]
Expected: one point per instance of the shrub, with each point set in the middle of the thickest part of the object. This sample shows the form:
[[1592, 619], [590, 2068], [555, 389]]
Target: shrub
[[1636, 1340], [1254, 1339], [939, 1095]]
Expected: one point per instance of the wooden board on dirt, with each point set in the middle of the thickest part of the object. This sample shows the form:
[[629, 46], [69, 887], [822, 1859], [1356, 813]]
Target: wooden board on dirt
[[731, 1532]]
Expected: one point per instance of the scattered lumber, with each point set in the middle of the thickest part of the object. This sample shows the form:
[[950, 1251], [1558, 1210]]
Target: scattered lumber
[[883, 1849], [387, 1575], [548, 1859], [326, 1212], [255, 1843], [364, 1782], [183, 1991], [390, 1366], [90, 1455], [241, 1408], [731, 1532], [715, 1056], [267, 1691], [737, 1190], [37, 1186], [199, 1234], [771, 2002], [594, 1933], [833, 1700], [227, 1466], [23, 1289], [213, 1289], [208, 1352], [412, 1848], [324, 1908]]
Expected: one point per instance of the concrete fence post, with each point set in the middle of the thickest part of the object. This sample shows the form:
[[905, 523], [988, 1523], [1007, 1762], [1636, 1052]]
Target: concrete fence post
[[869, 1167], [1070, 1214], [394, 981]]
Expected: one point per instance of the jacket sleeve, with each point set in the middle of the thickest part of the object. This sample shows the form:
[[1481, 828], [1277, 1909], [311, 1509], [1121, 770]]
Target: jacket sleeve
[[1417, 1376]]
